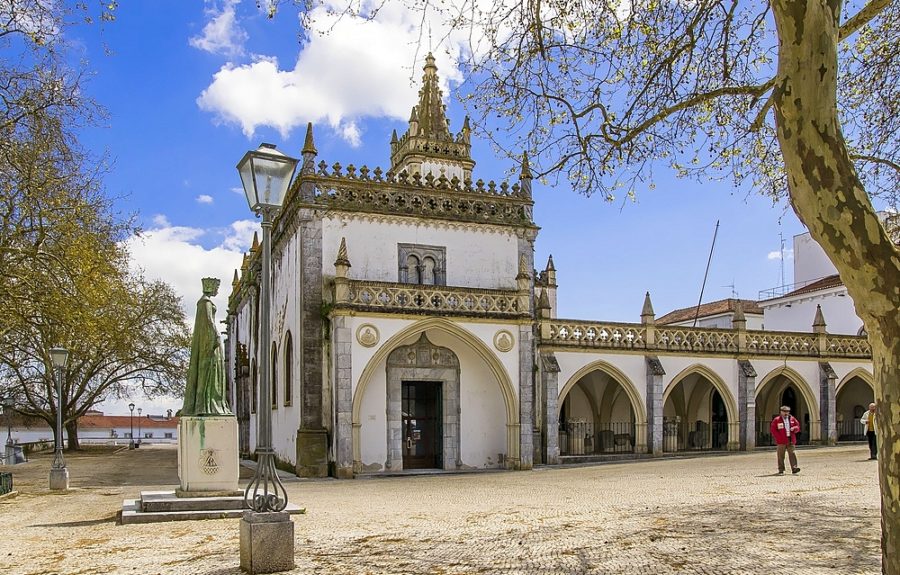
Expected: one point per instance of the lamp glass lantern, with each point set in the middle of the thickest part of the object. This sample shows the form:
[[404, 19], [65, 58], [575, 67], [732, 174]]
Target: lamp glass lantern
[[266, 175], [59, 356]]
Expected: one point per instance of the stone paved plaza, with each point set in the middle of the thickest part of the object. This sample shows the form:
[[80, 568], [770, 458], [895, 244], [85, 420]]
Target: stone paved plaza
[[709, 515]]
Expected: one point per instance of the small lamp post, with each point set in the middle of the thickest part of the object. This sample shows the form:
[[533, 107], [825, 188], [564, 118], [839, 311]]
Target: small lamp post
[[266, 176], [59, 473], [138, 443], [131, 433], [8, 405]]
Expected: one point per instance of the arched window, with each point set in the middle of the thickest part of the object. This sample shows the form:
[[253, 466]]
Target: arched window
[[412, 270], [288, 369], [421, 264], [274, 361], [427, 277]]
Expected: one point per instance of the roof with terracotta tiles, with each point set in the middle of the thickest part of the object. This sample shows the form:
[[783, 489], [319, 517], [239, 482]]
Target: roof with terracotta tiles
[[824, 283], [111, 421], [712, 308]]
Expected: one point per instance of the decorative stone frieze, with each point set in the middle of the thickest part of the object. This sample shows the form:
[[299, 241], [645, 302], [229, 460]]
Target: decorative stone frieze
[[439, 300], [591, 335]]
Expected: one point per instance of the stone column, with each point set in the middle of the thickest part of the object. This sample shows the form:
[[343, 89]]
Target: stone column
[[343, 397], [827, 407], [550, 386], [655, 373], [747, 405], [312, 437], [526, 397], [525, 285]]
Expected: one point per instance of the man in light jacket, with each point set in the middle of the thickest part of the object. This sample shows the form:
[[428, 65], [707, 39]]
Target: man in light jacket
[[868, 419], [784, 429]]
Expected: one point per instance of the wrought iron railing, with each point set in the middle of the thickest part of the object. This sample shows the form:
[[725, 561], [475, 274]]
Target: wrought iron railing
[[698, 435], [442, 300], [851, 430], [6, 483], [586, 438]]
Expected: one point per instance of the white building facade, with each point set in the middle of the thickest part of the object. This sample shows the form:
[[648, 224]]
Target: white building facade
[[410, 330]]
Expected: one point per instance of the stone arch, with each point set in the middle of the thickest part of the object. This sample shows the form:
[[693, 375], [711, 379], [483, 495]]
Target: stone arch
[[852, 396], [797, 380], [859, 372], [693, 432], [640, 412], [510, 398], [717, 382], [605, 433]]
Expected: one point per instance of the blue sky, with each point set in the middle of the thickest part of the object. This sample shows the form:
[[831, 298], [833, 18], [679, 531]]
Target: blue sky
[[191, 86]]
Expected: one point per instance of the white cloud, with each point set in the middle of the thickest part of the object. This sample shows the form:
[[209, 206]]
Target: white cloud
[[350, 68], [174, 254], [221, 35], [776, 255], [204, 199]]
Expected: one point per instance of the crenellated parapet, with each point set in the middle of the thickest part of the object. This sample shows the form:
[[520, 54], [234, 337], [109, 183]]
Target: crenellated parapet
[[375, 191]]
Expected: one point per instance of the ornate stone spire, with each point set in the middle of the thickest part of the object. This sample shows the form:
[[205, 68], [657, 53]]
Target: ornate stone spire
[[428, 146], [647, 313], [255, 245], [819, 321], [309, 147]]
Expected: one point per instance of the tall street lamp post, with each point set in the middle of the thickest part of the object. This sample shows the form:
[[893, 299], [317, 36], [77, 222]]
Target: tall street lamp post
[[266, 176], [139, 427], [59, 473], [131, 422]]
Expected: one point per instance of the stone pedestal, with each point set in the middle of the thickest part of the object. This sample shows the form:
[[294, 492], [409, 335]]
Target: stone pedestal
[[59, 479], [267, 542], [312, 453], [208, 454]]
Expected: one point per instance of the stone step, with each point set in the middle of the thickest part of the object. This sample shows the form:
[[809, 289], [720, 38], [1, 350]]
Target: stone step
[[161, 501], [132, 514]]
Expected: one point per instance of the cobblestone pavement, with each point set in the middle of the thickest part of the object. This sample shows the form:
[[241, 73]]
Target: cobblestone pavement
[[704, 515]]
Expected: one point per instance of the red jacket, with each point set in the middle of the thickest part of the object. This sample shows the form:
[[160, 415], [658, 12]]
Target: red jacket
[[779, 433]]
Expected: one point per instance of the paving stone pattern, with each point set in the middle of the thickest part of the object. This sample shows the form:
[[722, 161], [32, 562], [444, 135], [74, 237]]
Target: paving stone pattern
[[709, 515]]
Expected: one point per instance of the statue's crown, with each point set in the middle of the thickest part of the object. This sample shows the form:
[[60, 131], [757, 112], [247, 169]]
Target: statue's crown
[[210, 284]]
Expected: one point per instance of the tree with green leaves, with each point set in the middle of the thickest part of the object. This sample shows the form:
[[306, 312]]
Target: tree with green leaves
[[64, 276], [795, 97]]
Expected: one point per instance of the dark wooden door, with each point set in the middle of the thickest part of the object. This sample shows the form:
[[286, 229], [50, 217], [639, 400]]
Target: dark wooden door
[[422, 425]]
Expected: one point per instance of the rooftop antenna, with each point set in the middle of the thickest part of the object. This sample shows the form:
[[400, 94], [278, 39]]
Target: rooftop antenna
[[709, 261], [781, 237], [734, 293]]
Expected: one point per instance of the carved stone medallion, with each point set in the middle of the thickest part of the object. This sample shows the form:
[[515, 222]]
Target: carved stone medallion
[[503, 340], [367, 335]]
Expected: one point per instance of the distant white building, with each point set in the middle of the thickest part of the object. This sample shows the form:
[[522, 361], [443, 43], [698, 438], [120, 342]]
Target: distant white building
[[816, 285], [95, 428]]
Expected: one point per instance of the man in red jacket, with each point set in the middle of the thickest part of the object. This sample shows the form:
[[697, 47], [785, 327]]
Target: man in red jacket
[[784, 429]]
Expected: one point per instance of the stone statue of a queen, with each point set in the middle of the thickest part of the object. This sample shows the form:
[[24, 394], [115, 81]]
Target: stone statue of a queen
[[204, 393]]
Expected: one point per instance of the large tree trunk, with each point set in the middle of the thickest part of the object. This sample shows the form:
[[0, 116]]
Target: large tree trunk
[[829, 198], [72, 435]]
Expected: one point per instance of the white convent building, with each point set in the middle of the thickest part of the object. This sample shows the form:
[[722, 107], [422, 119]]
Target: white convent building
[[410, 330]]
